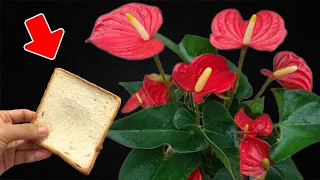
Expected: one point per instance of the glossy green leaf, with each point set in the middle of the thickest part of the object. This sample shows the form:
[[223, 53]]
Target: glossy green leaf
[[192, 46], [272, 139], [256, 106], [283, 170], [178, 93], [235, 106], [131, 87], [153, 127], [299, 113], [210, 162], [212, 97], [223, 174], [253, 108], [171, 45], [221, 133], [206, 176], [155, 164], [183, 118]]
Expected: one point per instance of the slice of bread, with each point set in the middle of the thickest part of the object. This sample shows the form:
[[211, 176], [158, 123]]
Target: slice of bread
[[79, 115]]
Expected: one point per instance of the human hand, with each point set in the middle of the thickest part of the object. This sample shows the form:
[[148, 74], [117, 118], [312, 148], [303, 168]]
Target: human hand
[[15, 145]]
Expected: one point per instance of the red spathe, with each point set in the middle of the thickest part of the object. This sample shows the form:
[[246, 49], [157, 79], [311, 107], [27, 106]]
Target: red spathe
[[195, 175], [261, 126], [300, 79], [252, 153], [152, 93], [228, 30], [220, 80], [113, 33]]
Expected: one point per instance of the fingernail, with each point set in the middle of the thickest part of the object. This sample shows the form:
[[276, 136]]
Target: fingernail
[[43, 130]]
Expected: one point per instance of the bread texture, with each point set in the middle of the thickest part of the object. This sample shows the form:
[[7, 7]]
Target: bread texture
[[79, 115]]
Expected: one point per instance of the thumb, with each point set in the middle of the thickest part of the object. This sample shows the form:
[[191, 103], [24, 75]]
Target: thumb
[[26, 131]]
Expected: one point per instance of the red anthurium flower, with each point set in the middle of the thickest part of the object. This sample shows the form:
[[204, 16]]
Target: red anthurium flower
[[261, 126], [128, 31], [265, 31], [152, 93], [195, 175], [291, 71], [254, 157], [206, 74]]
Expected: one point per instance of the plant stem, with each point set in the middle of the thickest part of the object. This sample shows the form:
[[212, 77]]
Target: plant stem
[[191, 100], [185, 94], [240, 64], [276, 125], [277, 134], [173, 95], [171, 45], [263, 88], [158, 63], [225, 101], [197, 113], [188, 99], [165, 80]]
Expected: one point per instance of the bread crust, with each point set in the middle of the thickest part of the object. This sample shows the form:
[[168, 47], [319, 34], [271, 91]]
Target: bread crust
[[85, 171]]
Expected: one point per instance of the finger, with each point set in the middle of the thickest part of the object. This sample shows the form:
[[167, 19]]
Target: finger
[[10, 133], [26, 145], [20, 115], [29, 156], [8, 155]]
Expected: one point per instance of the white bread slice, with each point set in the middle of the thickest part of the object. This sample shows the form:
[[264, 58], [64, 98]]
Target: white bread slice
[[79, 115]]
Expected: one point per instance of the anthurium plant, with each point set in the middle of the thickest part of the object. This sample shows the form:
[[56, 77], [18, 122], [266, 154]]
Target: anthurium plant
[[202, 121]]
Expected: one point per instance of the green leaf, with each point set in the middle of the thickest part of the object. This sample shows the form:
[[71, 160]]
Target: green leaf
[[183, 118], [299, 122], [221, 133], [131, 87], [192, 46], [283, 170], [256, 106], [245, 89], [155, 164], [272, 139], [210, 162], [206, 176], [223, 174], [153, 127], [235, 106], [178, 93], [253, 108], [211, 97], [171, 45]]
